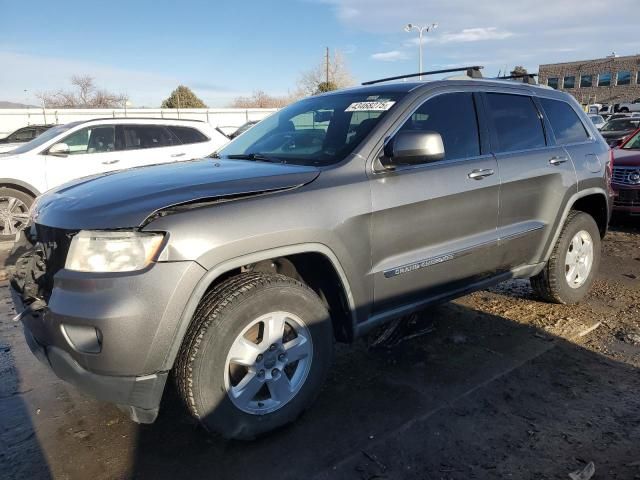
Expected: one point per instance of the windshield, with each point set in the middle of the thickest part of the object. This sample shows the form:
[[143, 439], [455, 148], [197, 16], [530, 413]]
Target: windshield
[[621, 124], [319, 130], [633, 143], [44, 138]]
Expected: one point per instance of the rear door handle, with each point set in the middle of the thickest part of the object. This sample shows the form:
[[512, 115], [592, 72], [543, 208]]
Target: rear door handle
[[558, 160], [175, 155], [479, 174], [110, 162]]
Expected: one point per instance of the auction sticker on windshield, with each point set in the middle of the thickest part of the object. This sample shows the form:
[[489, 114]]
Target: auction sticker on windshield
[[370, 106]]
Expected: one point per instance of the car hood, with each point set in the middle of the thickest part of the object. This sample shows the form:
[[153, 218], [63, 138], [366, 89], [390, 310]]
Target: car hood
[[126, 198], [628, 158], [7, 147]]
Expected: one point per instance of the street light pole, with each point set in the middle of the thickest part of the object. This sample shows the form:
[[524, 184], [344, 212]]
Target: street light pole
[[421, 30]]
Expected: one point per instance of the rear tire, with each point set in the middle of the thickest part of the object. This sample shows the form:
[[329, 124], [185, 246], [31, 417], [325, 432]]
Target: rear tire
[[241, 373], [14, 212], [571, 269]]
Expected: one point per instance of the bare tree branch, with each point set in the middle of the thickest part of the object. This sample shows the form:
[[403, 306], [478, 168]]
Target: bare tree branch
[[85, 95]]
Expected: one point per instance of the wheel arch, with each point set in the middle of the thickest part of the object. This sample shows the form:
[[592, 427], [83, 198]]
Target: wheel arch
[[19, 185], [592, 201], [233, 266]]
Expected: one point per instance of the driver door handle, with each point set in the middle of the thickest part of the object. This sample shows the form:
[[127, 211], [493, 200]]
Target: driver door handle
[[175, 155], [110, 162], [558, 160], [481, 173]]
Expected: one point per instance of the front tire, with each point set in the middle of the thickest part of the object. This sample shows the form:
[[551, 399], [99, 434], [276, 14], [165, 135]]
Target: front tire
[[14, 212], [571, 269], [256, 355]]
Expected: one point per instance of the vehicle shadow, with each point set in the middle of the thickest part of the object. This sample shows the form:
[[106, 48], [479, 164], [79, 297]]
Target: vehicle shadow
[[21, 455], [479, 396], [625, 223]]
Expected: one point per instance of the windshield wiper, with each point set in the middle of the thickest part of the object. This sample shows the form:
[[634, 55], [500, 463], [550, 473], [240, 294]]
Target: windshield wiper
[[257, 157]]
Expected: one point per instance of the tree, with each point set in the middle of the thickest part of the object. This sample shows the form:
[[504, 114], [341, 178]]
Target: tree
[[324, 87], [260, 99], [183, 97], [519, 71], [315, 80], [85, 95]]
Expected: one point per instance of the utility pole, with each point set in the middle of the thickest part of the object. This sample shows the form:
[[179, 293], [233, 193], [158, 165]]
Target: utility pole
[[327, 67]]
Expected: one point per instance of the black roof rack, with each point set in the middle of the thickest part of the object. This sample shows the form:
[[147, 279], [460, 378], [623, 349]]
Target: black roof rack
[[473, 72], [525, 77]]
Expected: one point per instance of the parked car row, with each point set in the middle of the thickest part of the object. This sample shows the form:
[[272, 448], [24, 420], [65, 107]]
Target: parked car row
[[617, 130], [78, 149], [626, 175], [22, 135]]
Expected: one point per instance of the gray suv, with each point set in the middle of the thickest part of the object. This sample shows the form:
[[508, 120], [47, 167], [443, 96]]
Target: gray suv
[[237, 273]]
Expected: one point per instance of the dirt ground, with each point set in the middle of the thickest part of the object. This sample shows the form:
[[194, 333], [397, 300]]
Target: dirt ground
[[499, 386]]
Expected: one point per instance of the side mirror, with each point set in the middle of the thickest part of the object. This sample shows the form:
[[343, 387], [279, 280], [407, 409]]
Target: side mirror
[[59, 150], [413, 148]]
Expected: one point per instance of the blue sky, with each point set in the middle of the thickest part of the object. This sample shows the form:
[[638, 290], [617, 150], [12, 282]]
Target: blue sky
[[222, 49]]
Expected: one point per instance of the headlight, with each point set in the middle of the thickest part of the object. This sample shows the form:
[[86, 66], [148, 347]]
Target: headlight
[[95, 251]]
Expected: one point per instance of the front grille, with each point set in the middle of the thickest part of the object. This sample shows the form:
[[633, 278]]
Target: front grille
[[627, 198], [626, 175]]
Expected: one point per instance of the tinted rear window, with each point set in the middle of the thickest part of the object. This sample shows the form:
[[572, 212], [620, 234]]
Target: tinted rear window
[[147, 136], [565, 123], [188, 135], [516, 123]]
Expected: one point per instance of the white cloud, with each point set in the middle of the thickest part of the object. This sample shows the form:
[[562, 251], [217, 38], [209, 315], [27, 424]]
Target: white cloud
[[472, 35], [514, 32], [392, 56]]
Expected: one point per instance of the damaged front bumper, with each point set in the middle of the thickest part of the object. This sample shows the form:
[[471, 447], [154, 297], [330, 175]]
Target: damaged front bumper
[[139, 396], [102, 332]]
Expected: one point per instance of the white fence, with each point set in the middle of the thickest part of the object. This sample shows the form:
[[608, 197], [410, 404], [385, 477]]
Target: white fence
[[225, 118]]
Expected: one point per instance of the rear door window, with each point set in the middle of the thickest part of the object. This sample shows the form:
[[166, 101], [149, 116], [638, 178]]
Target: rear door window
[[515, 121], [565, 123], [188, 135], [135, 137], [453, 116]]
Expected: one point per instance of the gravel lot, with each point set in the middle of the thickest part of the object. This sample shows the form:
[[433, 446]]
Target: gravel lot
[[499, 386]]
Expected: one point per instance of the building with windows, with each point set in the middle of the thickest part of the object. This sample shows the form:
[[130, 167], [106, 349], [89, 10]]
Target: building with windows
[[608, 80]]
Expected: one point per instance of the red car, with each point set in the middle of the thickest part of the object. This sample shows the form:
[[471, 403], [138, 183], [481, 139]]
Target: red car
[[626, 175]]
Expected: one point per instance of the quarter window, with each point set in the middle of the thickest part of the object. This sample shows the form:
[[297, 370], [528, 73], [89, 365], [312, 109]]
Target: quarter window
[[553, 82], [586, 81], [623, 78], [188, 135], [565, 123], [147, 136], [516, 122], [569, 81], [453, 116], [97, 139], [604, 79]]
